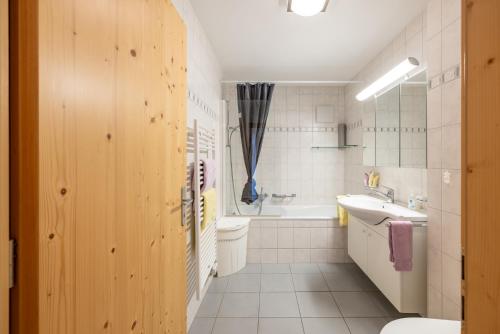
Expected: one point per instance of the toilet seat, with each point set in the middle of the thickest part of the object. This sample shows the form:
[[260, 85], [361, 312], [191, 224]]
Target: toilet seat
[[421, 326], [232, 228], [232, 223]]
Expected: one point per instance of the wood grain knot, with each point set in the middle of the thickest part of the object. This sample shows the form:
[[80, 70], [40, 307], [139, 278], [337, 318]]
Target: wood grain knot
[[133, 53], [146, 103], [106, 324], [470, 4], [74, 33], [152, 243], [131, 276], [117, 47], [491, 61], [64, 191], [152, 120], [108, 136], [51, 236], [172, 60], [113, 250], [134, 324]]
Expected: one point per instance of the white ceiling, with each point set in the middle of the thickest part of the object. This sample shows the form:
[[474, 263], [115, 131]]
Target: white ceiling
[[257, 40]]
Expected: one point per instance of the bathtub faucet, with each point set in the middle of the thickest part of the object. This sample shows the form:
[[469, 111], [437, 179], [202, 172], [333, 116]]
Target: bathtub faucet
[[260, 200]]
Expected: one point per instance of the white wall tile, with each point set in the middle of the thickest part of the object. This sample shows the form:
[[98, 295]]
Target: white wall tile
[[451, 102], [302, 238], [451, 151], [285, 237], [434, 56], [435, 268], [434, 303], [269, 237], [433, 17], [451, 45], [451, 11], [451, 310], [451, 193], [434, 108], [269, 255], [434, 188], [452, 279], [253, 255], [451, 235], [254, 237], [319, 238], [434, 229], [285, 255], [319, 255], [302, 255], [434, 151]]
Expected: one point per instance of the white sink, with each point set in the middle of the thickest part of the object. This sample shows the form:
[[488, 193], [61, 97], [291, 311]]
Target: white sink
[[373, 210]]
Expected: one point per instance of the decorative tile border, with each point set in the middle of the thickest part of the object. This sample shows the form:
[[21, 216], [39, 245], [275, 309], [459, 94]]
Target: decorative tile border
[[395, 129], [202, 104], [301, 129]]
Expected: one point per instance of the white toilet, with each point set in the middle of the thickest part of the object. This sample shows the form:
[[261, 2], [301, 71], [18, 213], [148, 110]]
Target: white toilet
[[231, 244], [421, 326]]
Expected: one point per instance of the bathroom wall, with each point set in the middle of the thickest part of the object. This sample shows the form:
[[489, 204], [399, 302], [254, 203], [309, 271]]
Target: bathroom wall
[[204, 76], [444, 117], [204, 96], [288, 164], [408, 43], [434, 38]]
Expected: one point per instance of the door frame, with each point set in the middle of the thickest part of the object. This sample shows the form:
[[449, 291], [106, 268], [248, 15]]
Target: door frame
[[4, 166], [23, 163]]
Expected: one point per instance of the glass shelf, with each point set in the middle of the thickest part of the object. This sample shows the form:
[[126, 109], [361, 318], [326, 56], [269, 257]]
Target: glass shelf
[[334, 147]]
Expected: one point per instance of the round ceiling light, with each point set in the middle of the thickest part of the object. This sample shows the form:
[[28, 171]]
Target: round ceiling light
[[307, 7]]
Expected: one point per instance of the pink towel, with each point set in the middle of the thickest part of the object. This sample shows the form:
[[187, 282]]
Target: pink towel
[[208, 174], [401, 245]]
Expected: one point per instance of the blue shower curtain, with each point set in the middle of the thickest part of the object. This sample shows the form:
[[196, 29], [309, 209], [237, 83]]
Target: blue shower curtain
[[254, 101]]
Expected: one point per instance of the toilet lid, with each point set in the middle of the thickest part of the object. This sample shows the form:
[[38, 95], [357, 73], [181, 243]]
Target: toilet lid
[[232, 223], [421, 326]]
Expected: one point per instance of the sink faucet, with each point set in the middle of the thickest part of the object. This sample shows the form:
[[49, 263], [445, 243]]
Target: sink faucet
[[387, 194]]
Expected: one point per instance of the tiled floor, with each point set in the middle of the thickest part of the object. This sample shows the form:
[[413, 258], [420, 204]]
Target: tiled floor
[[294, 299]]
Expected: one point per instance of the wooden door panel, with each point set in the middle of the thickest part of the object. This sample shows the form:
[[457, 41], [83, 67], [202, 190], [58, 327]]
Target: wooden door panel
[[481, 165], [111, 118]]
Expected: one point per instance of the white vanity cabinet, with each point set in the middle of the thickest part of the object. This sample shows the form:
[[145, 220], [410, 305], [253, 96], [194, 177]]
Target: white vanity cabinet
[[368, 246]]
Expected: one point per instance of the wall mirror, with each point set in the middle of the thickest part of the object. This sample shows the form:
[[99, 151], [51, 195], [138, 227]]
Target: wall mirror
[[395, 126]]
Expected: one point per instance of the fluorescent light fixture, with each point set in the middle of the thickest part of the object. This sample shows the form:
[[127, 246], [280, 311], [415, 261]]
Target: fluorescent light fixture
[[397, 73], [307, 7]]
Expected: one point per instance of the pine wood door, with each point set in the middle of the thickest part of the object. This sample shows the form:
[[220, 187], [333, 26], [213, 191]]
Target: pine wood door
[[481, 166], [108, 121]]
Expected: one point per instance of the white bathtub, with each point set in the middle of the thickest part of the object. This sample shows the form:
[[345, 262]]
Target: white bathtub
[[291, 211], [295, 234]]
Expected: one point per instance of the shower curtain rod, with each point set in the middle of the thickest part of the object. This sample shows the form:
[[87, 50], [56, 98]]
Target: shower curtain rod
[[319, 82]]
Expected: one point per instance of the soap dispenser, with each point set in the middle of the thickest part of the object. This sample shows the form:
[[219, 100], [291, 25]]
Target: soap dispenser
[[411, 202]]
